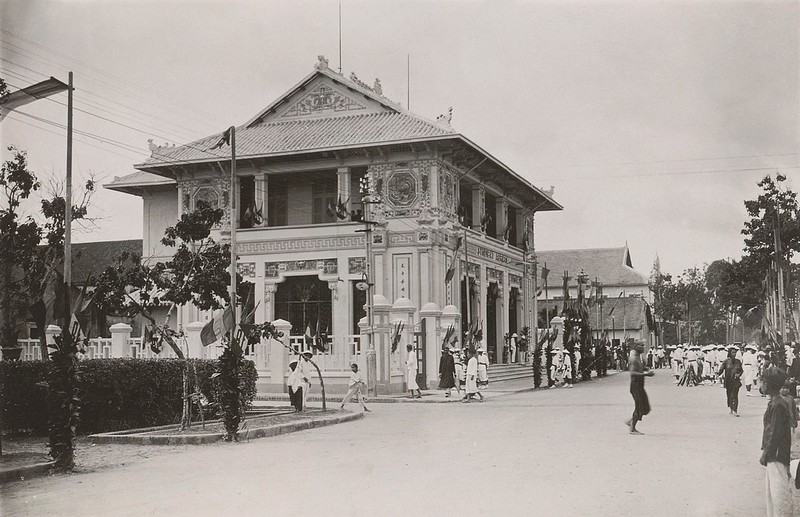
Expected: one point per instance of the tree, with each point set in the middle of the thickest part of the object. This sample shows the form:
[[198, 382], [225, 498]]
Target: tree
[[31, 252], [775, 204], [688, 300], [196, 273]]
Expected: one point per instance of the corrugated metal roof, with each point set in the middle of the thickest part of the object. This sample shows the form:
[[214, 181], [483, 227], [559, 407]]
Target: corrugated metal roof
[[608, 265], [304, 135], [139, 179]]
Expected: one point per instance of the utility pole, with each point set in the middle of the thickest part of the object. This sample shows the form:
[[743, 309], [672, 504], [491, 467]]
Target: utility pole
[[232, 198], [68, 218], [369, 267]]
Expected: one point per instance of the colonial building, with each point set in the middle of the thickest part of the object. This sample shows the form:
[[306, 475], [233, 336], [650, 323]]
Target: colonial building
[[303, 165]]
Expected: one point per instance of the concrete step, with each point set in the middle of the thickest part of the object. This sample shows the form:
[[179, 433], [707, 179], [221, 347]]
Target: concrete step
[[507, 372]]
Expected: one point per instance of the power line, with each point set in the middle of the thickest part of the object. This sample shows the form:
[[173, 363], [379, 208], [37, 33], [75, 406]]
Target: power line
[[192, 109], [677, 160], [668, 173]]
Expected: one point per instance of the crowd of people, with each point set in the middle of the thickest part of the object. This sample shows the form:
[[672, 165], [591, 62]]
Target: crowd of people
[[464, 370]]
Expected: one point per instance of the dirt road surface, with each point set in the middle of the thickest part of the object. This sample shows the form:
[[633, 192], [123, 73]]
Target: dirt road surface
[[551, 452]]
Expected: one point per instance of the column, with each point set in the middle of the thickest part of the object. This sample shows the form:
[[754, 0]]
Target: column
[[279, 355], [262, 195], [120, 332], [503, 304], [433, 185], [381, 309], [434, 333], [501, 216], [557, 325], [343, 186], [269, 301], [402, 312], [477, 206], [196, 347]]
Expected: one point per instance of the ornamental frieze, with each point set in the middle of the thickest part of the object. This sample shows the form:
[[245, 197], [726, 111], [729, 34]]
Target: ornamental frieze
[[494, 275], [323, 100], [356, 265], [324, 266], [310, 244], [474, 269], [246, 269]]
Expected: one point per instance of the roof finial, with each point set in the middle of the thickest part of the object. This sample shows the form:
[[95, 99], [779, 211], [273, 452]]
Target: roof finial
[[322, 63], [377, 88]]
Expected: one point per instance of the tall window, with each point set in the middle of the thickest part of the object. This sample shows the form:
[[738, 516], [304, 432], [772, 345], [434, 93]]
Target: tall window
[[324, 195], [277, 201], [512, 235], [304, 301]]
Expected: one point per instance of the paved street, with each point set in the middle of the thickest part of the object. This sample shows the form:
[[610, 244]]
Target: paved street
[[552, 452]]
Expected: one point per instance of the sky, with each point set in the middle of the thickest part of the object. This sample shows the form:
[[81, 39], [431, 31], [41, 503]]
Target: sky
[[654, 121]]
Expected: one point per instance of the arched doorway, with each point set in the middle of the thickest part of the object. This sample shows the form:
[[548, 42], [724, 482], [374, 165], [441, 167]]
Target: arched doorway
[[304, 301]]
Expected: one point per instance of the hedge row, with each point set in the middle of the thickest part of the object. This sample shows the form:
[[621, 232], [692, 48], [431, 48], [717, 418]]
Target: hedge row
[[116, 394]]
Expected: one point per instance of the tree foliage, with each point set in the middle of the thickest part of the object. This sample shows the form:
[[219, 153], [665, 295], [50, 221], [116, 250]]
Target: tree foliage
[[196, 273], [31, 250]]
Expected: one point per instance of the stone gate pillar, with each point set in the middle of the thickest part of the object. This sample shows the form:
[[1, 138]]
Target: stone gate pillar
[[431, 315], [279, 355], [120, 333]]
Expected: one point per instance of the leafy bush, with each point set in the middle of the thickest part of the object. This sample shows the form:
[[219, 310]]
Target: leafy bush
[[115, 394]]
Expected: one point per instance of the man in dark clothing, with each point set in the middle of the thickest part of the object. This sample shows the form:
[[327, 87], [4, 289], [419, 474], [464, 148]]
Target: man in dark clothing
[[731, 372], [638, 372], [776, 444], [447, 372]]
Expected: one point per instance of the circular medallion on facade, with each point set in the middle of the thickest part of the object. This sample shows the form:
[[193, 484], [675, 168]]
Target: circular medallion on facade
[[402, 189]]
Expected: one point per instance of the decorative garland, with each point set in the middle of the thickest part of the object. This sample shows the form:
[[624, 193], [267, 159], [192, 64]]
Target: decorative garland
[[537, 357], [64, 405]]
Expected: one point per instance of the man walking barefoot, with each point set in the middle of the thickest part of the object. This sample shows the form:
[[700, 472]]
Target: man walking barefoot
[[731, 373], [638, 372]]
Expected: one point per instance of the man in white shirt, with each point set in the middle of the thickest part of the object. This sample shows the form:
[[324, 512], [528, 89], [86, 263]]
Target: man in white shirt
[[355, 387], [749, 365], [302, 381], [411, 372]]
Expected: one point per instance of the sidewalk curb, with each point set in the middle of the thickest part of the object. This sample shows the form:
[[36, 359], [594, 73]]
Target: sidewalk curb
[[28, 471], [130, 437]]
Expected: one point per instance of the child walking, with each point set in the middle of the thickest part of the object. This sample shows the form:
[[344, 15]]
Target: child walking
[[354, 387]]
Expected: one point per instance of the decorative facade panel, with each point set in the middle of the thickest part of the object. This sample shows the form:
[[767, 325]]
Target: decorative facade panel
[[323, 266], [356, 265], [320, 243], [323, 100], [246, 269], [401, 275], [448, 190], [494, 275]]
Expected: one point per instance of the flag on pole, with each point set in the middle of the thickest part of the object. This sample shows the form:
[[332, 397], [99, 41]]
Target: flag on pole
[[307, 337], [224, 139], [220, 323], [47, 309], [82, 315], [46, 88], [452, 269]]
